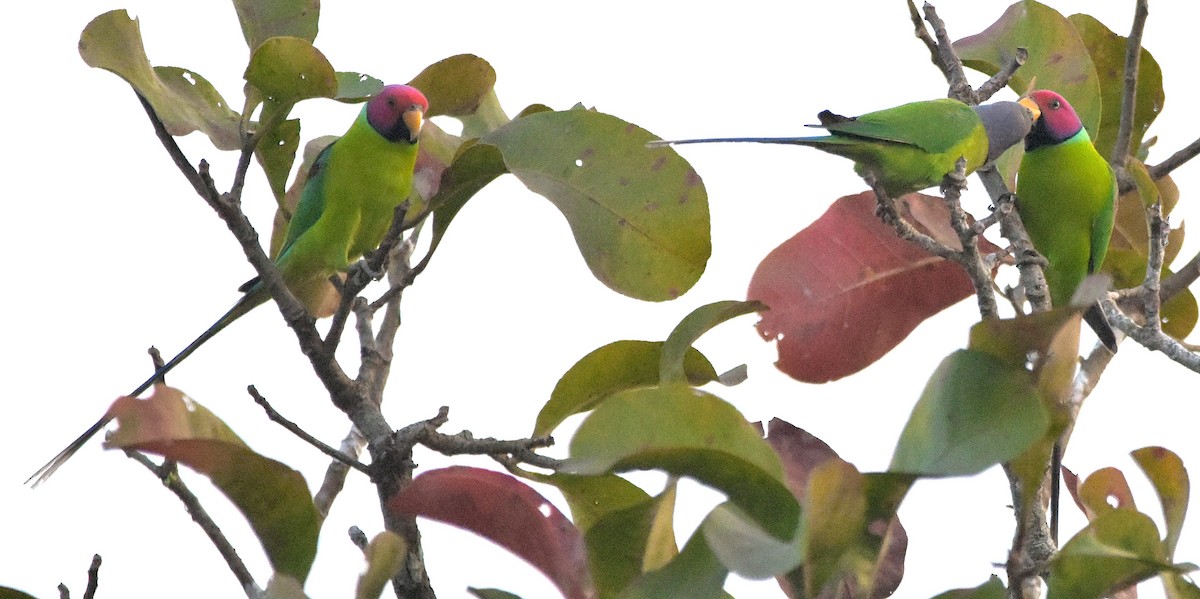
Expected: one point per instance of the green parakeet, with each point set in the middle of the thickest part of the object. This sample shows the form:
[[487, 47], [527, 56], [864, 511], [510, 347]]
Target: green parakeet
[[1066, 193], [346, 207], [912, 146]]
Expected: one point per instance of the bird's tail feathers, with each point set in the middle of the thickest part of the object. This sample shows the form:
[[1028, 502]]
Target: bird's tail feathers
[[795, 141], [245, 304]]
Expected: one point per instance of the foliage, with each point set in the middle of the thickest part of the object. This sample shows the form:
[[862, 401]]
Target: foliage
[[835, 298]]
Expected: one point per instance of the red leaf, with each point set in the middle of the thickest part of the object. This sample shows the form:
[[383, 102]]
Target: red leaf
[[508, 512], [846, 290]]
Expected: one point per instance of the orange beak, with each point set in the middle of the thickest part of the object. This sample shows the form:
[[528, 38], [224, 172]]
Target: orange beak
[[413, 119], [1032, 106]]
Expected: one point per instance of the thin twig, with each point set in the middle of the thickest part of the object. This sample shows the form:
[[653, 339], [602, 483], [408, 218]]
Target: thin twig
[[1000, 80], [1176, 160], [336, 473], [1182, 279], [952, 67], [1133, 54], [93, 578], [1152, 339], [295, 429], [887, 210], [922, 34], [169, 476], [358, 537], [173, 150]]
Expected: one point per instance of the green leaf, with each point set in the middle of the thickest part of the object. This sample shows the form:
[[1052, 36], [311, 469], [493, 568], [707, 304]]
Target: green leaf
[[276, 152], [622, 525], [356, 87], [695, 574], [11, 593], [385, 556], [263, 19], [639, 215], [620, 365], [745, 548], [975, 412], [474, 166], [1102, 487], [835, 522], [455, 86], [289, 69], [992, 589], [491, 593], [1116, 550], [1045, 345], [1058, 57], [676, 349], [687, 432], [273, 497], [1170, 479], [183, 100], [1107, 50]]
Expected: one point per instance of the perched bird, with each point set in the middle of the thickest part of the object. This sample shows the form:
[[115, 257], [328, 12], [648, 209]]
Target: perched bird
[[912, 146], [346, 207], [1066, 193]]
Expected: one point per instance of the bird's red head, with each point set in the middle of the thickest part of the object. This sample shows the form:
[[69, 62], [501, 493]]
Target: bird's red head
[[1057, 123], [397, 113]]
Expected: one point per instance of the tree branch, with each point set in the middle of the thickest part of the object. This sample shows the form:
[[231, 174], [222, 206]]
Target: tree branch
[[295, 429], [1133, 54], [1176, 160], [952, 67], [93, 578], [1000, 80], [1152, 339], [169, 475]]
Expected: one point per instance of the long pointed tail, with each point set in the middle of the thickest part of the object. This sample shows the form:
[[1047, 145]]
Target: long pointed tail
[[248, 302], [795, 141]]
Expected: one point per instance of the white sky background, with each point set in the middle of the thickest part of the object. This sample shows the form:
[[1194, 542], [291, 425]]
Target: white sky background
[[118, 254]]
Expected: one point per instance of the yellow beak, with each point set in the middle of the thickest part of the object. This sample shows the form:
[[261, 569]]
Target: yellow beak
[[413, 119], [1032, 106]]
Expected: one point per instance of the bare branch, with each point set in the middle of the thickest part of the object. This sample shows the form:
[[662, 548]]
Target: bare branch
[[970, 258], [888, 212], [1152, 339], [1176, 160], [1133, 54], [1029, 262], [358, 537], [1182, 279], [336, 473], [1151, 285], [169, 475], [295, 429], [952, 67], [93, 578], [922, 34], [1000, 80], [168, 141]]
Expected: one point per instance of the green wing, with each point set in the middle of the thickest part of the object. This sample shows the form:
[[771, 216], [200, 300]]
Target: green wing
[[912, 124], [1102, 228], [312, 201]]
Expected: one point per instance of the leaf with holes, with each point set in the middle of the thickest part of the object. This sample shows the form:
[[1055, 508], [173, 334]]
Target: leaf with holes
[[846, 290], [183, 100], [639, 215]]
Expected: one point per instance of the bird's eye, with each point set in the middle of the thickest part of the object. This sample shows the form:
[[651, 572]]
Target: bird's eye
[[1055, 104]]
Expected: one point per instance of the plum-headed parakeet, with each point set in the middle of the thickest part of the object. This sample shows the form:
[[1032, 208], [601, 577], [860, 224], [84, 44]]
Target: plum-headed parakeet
[[1066, 192], [346, 207], [912, 146]]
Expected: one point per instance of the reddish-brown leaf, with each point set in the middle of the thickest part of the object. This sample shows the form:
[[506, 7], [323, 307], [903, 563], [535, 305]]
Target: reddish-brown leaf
[[508, 512], [846, 290]]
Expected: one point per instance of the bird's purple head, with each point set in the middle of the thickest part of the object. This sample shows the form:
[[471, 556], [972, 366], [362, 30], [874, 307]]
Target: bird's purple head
[[397, 113], [1057, 123]]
